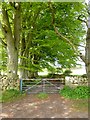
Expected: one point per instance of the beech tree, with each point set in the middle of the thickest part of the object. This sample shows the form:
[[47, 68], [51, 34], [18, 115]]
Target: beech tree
[[47, 32], [87, 55], [11, 29], [42, 44], [86, 58]]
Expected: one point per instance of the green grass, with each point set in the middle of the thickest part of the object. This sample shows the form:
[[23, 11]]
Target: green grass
[[81, 104], [80, 92], [11, 95], [42, 95]]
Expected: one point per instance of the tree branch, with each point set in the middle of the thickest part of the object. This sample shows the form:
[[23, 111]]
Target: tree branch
[[63, 37], [6, 24], [33, 24], [12, 4], [17, 25], [82, 57], [3, 43], [85, 21], [79, 45], [56, 30]]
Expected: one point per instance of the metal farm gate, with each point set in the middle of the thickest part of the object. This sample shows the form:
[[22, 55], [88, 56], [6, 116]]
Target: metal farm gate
[[41, 85]]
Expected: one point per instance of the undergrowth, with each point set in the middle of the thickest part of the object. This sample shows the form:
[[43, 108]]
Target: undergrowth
[[11, 95], [75, 93], [42, 95]]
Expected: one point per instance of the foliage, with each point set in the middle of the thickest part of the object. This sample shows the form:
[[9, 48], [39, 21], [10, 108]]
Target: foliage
[[75, 93], [11, 95], [53, 75], [67, 72], [3, 58], [42, 95], [84, 75], [39, 46]]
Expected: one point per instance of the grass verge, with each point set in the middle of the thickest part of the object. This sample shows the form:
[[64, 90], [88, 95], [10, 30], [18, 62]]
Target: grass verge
[[80, 92], [11, 95], [42, 95], [80, 104]]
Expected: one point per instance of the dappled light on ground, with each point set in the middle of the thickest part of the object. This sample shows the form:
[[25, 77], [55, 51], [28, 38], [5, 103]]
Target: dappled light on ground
[[4, 115], [54, 106]]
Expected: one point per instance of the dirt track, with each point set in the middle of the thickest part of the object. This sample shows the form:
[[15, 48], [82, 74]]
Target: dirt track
[[54, 106]]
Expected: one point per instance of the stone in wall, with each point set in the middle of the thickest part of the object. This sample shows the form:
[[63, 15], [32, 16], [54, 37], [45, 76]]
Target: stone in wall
[[8, 84], [76, 80]]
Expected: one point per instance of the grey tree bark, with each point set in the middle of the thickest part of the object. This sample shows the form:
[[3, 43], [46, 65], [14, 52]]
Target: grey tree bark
[[87, 56], [12, 39]]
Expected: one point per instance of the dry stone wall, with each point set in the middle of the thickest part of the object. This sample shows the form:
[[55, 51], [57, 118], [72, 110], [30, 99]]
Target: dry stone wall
[[69, 80], [76, 81], [8, 83]]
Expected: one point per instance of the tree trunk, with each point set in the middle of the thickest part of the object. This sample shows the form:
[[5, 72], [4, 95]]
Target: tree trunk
[[87, 55], [12, 63], [24, 56], [12, 43]]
